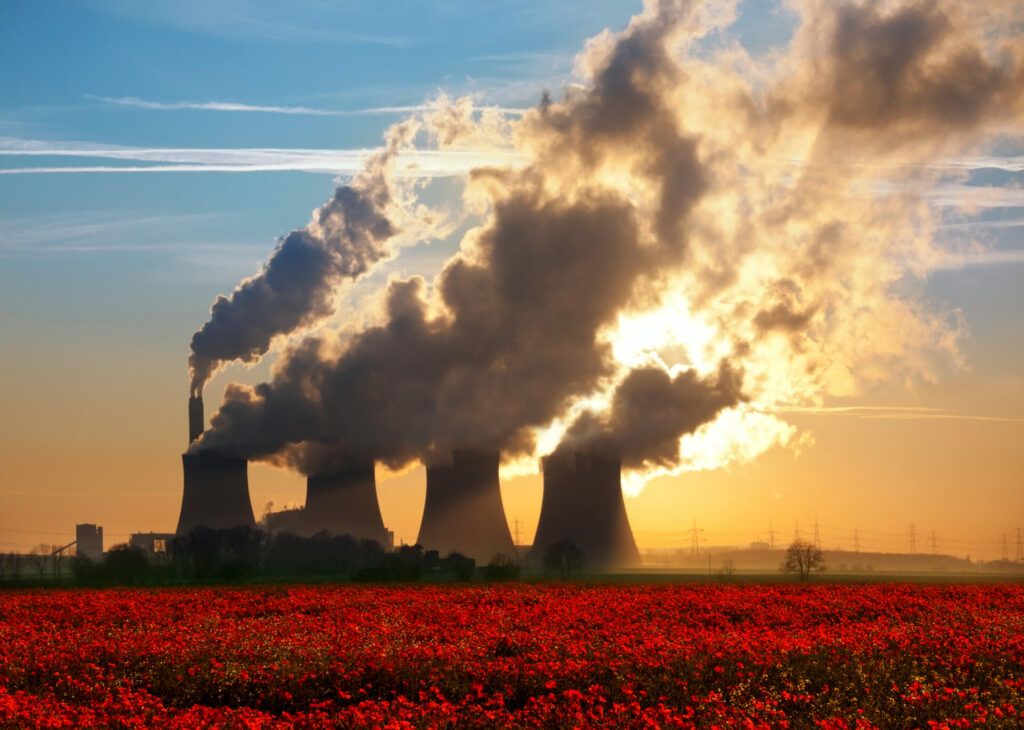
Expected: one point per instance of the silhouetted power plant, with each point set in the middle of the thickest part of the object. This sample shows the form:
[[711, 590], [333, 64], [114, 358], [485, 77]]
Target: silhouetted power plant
[[345, 502], [463, 511], [583, 504], [195, 417], [89, 541], [216, 492]]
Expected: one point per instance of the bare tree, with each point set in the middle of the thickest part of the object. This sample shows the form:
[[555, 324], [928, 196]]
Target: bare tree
[[802, 559], [42, 558], [728, 570]]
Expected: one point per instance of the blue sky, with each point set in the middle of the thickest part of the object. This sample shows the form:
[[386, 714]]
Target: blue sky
[[105, 275], [89, 74], [86, 74]]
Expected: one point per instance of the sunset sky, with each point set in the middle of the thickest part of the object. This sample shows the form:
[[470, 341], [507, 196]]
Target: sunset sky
[[152, 155]]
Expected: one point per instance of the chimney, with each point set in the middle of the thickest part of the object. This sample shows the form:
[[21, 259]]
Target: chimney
[[463, 511], [196, 424], [583, 503], [345, 503]]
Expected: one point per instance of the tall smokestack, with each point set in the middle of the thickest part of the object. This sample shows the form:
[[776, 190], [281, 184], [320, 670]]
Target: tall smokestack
[[196, 422], [463, 511], [345, 503], [583, 503]]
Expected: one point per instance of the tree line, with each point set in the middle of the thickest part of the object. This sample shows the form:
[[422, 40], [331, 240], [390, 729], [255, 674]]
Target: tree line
[[246, 553]]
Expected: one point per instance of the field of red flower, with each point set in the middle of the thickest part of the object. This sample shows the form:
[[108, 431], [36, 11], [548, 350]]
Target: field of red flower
[[527, 655]]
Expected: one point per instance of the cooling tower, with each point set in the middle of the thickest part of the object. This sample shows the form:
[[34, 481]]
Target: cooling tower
[[216, 492], [345, 503], [195, 417], [583, 503], [463, 511], [216, 486]]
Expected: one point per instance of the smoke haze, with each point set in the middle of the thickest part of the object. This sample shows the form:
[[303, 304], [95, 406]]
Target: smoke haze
[[694, 242], [296, 288]]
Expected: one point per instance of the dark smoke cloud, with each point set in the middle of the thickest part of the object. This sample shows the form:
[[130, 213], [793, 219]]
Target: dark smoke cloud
[[627, 115], [516, 333], [347, 236], [783, 312], [912, 70], [516, 340], [664, 179], [650, 412]]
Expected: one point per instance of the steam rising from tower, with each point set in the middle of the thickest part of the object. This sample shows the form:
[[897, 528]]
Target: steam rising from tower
[[296, 288], [684, 254]]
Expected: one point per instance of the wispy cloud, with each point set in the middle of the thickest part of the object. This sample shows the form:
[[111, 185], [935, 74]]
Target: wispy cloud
[[107, 231], [1011, 163], [190, 247], [974, 259], [975, 196], [416, 163], [331, 169], [896, 413], [229, 106], [984, 224]]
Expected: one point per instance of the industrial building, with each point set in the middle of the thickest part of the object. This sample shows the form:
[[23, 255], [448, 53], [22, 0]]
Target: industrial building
[[89, 541], [153, 543], [462, 512]]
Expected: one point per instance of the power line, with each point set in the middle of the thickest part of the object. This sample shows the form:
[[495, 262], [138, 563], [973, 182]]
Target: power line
[[34, 532], [913, 539]]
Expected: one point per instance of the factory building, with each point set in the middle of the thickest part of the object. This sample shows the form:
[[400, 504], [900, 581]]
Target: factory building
[[89, 541]]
